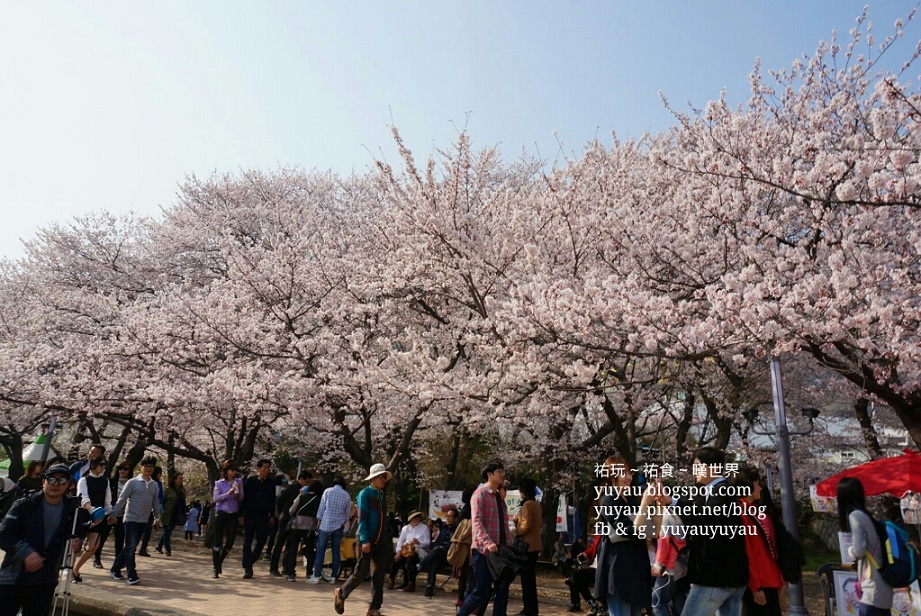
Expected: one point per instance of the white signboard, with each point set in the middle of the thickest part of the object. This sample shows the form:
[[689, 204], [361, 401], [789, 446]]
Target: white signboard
[[442, 500]]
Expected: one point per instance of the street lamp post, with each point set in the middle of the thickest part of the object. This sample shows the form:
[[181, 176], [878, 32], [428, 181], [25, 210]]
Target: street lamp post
[[782, 435]]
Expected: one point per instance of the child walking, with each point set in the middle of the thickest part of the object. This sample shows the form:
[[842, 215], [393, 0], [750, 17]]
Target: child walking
[[191, 524]]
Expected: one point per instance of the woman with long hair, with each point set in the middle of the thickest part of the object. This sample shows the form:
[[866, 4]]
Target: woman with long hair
[[174, 509], [875, 595], [762, 596], [527, 527], [32, 480], [227, 495], [623, 577]]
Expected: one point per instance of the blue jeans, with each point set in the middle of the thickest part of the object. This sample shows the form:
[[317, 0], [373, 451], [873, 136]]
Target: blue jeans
[[125, 558], [667, 600], [618, 607], [431, 562], [145, 536], [482, 585], [704, 600], [323, 538]]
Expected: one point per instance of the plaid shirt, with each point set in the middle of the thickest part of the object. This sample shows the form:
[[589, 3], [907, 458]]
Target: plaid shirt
[[486, 519], [335, 508]]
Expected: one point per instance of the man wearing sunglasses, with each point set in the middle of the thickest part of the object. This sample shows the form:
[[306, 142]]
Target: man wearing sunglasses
[[33, 537]]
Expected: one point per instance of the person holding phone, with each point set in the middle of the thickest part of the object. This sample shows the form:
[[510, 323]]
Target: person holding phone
[[227, 495]]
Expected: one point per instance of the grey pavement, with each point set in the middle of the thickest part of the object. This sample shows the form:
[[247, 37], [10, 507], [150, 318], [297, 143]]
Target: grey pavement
[[181, 585]]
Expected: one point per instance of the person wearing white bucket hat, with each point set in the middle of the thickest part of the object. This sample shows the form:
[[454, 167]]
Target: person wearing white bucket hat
[[374, 542], [377, 470]]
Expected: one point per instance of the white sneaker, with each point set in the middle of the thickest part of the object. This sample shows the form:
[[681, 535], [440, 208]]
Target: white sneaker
[[313, 580], [326, 578]]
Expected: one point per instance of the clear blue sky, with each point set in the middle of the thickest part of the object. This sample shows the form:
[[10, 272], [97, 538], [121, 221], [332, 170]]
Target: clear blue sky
[[107, 105]]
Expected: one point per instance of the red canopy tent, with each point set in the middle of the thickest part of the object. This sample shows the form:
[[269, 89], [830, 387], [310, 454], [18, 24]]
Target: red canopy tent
[[896, 476]]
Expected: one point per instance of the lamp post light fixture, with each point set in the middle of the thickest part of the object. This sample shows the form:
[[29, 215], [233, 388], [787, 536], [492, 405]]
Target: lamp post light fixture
[[782, 435]]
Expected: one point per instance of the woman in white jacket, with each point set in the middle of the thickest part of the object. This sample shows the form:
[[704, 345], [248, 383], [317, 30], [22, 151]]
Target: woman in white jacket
[[875, 595]]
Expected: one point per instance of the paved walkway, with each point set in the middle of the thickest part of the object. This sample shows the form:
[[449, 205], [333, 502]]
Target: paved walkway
[[182, 583]]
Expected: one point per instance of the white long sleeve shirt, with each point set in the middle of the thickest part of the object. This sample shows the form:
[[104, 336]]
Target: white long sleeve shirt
[[419, 532]]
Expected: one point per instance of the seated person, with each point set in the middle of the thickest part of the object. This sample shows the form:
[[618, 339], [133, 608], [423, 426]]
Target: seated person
[[438, 554], [412, 545]]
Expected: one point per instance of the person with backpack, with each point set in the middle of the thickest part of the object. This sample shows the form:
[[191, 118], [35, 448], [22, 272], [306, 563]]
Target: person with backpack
[[302, 516], [283, 502], [874, 594]]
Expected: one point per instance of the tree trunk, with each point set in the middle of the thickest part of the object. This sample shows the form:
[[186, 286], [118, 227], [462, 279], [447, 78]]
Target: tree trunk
[[911, 418], [13, 448], [870, 438], [549, 504], [684, 426], [451, 465], [722, 424], [116, 451]]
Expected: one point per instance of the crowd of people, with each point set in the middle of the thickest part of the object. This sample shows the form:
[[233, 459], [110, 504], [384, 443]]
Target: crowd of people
[[652, 552]]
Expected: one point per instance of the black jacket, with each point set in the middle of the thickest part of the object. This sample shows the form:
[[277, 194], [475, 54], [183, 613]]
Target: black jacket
[[285, 500], [718, 559], [623, 565], [259, 497], [23, 531], [444, 537]]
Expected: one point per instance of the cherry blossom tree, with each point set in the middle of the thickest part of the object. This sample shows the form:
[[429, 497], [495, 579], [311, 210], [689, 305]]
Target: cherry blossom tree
[[816, 182]]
